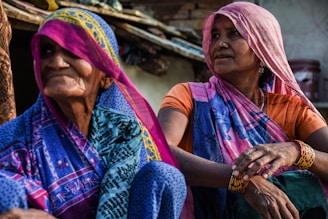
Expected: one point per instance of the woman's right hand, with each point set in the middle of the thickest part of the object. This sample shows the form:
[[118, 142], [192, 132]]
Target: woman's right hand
[[19, 213], [268, 200]]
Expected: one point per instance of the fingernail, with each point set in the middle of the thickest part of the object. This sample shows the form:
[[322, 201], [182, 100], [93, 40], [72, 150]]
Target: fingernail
[[265, 175], [235, 173], [233, 167], [245, 177]]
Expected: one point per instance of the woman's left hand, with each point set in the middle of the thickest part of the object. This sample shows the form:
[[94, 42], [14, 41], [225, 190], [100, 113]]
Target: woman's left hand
[[268, 200], [265, 159]]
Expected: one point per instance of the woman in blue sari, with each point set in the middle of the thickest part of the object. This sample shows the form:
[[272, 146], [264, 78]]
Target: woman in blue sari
[[90, 147]]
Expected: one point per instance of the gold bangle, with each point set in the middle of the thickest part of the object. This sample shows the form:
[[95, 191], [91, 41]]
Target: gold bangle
[[307, 156], [237, 184]]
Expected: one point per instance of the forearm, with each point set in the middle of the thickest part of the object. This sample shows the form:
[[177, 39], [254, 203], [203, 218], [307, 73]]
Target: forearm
[[202, 172], [319, 167], [319, 141]]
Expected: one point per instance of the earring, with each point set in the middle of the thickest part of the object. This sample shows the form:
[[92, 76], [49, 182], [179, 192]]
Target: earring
[[261, 68]]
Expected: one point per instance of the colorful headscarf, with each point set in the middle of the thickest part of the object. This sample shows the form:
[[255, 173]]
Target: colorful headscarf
[[89, 37]]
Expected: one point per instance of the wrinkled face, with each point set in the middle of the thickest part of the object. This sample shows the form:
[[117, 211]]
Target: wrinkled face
[[234, 57], [65, 75]]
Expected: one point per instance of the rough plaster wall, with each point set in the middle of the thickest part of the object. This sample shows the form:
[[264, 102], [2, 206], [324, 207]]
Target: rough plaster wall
[[304, 27], [154, 87]]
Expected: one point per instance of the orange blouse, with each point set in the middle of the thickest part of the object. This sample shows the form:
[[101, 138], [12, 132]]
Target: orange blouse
[[289, 112]]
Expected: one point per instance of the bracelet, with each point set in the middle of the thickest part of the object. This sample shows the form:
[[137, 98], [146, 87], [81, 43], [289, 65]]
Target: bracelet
[[237, 184], [307, 155]]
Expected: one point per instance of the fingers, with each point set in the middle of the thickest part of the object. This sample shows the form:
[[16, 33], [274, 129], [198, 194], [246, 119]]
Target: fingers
[[261, 159], [293, 211], [251, 161]]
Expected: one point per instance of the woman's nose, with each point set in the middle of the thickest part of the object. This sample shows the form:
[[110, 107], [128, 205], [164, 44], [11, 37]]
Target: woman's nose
[[58, 61], [222, 43]]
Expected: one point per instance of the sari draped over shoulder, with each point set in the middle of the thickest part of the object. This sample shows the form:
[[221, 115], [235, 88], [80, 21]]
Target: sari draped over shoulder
[[62, 171], [225, 122]]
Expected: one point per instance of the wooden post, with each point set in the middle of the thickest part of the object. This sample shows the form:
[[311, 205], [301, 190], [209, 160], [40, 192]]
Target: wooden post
[[7, 97]]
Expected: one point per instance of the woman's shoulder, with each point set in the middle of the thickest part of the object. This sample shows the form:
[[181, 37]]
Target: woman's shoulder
[[274, 99], [179, 97]]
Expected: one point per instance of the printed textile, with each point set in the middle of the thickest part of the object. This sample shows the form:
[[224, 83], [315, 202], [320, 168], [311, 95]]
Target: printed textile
[[230, 122], [61, 170]]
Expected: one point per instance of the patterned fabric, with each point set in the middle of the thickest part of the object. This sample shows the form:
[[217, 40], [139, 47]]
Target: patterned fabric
[[117, 138], [149, 185], [14, 195], [225, 122], [94, 41], [62, 171]]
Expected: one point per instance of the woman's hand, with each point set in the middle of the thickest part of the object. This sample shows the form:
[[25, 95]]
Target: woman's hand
[[19, 213], [268, 200], [265, 159]]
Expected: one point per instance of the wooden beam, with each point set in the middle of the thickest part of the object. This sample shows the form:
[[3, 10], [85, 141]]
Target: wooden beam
[[140, 19], [167, 44], [20, 15]]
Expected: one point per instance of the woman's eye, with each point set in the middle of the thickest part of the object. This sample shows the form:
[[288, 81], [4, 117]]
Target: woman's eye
[[71, 54], [234, 33], [215, 35], [45, 52]]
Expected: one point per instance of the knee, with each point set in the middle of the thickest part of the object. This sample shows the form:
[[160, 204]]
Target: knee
[[12, 195], [162, 171], [162, 175]]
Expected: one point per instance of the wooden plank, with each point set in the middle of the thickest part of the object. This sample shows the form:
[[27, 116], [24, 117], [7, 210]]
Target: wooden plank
[[118, 15], [28, 7], [166, 44], [20, 25], [18, 14], [195, 24]]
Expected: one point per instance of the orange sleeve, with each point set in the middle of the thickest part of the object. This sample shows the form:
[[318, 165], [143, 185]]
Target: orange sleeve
[[293, 116], [179, 97]]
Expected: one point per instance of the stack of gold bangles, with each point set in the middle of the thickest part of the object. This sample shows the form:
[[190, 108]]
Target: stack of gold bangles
[[307, 155], [237, 184]]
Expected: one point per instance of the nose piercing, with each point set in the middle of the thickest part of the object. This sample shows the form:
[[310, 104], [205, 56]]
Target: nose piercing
[[223, 44], [64, 63]]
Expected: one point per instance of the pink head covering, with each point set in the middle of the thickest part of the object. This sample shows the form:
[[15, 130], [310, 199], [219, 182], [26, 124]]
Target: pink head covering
[[262, 32]]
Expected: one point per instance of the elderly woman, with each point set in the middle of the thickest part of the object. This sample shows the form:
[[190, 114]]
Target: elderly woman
[[249, 133], [90, 146]]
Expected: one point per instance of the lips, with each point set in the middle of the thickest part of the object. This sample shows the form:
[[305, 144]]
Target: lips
[[222, 56]]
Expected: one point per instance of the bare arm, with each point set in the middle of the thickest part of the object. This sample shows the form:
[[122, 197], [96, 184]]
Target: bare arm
[[319, 141], [198, 171]]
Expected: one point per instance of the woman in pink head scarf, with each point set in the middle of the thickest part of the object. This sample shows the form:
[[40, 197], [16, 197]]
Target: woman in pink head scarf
[[249, 142]]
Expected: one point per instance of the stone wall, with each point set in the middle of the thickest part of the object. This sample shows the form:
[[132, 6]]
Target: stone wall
[[178, 13]]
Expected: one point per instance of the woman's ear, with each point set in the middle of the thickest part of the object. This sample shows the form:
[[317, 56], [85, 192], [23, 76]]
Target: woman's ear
[[105, 82]]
